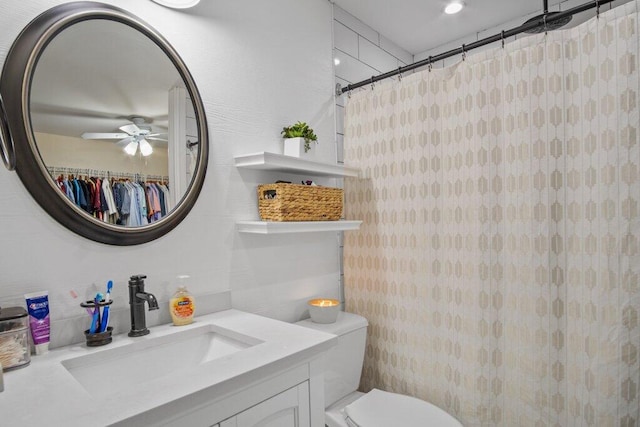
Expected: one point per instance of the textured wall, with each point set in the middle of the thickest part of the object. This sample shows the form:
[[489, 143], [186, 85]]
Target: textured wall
[[259, 66]]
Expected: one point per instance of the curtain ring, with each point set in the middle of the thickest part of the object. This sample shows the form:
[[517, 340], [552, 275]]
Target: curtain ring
[[464, 53], [430, 63], [399, 74], [598, 9], [372, 83], [544, 23], [502, 38]]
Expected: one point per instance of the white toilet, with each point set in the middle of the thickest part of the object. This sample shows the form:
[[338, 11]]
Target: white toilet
[[346, 407]]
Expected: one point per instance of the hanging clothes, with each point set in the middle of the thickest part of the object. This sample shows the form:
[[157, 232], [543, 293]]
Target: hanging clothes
[[131, 203], [153, 197]]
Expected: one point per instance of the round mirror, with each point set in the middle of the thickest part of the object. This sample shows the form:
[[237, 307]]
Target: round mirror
[[6, 143], [108, 127]]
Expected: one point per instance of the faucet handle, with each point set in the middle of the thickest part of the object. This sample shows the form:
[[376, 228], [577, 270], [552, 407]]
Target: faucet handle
[[138, 278]]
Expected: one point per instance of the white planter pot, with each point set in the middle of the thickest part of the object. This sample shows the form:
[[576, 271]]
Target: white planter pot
[[295, 147]]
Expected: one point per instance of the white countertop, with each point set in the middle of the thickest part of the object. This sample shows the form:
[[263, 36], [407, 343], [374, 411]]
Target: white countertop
[[46, 393]]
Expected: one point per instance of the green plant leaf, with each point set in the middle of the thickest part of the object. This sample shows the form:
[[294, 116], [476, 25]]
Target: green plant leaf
[[300, 130]]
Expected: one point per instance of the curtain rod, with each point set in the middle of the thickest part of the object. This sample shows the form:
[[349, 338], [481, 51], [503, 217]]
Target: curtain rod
[[527, 26]]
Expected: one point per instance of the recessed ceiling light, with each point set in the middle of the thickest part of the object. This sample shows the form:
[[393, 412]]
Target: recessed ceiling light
[[178, 4], [453, 7], [336, 61]]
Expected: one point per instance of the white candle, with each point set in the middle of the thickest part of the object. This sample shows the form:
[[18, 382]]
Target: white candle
[[324, 302]]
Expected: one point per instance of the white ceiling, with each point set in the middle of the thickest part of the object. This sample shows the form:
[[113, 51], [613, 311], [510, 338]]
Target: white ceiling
[[421, 25]]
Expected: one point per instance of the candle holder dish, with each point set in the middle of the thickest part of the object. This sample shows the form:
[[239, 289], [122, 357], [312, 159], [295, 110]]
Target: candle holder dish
[[323, 310]]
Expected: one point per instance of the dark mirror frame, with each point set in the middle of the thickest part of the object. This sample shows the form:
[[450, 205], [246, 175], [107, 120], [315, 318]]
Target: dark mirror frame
[[15, 87]]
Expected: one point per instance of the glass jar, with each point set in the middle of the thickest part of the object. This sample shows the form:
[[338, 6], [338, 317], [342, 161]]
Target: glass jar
[[14, 338]]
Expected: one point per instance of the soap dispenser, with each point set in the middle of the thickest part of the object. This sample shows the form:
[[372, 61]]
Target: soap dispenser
[[182, 305]]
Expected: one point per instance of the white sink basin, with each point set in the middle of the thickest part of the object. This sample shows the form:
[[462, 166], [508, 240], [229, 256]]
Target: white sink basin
[[147, 358]]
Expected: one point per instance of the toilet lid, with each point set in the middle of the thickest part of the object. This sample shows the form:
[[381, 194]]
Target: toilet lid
[[383, 409]]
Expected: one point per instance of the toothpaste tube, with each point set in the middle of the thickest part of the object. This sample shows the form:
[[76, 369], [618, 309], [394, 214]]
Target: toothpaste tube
[[38, 308]]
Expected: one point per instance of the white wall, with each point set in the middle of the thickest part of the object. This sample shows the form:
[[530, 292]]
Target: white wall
[[259, 66]]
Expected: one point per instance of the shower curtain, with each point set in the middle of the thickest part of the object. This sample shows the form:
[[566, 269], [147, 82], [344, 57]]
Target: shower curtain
[[498, 263]]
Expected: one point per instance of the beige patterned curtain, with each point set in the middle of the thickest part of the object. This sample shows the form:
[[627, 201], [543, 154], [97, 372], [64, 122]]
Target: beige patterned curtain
[[499, 260]]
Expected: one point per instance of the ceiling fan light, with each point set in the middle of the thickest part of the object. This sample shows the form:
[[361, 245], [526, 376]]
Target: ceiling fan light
[[145, 148], [131, 148]]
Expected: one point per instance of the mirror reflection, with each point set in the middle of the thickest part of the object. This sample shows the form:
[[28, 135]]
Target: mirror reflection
[[113, 123]]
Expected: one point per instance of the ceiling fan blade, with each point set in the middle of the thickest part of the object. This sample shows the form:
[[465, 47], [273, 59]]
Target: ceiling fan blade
[[153, 138], [155, 134], [124, 141], [96, 135], [131, 129]]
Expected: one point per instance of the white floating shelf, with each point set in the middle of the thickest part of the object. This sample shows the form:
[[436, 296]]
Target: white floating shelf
[[282, 163], [274, 227]]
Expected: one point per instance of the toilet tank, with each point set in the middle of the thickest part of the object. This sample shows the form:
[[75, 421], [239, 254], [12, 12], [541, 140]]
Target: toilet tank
[[343, 364]]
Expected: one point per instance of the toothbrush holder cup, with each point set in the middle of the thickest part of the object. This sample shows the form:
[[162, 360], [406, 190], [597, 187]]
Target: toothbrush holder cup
[[99, 338]]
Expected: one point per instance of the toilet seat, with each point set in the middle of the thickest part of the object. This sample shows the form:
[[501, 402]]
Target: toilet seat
[[383, 409]]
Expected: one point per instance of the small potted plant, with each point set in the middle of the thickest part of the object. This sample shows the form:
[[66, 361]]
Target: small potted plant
[[297, 139]]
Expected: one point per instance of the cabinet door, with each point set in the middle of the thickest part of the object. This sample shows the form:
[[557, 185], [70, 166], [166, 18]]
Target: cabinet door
[[287, 409]]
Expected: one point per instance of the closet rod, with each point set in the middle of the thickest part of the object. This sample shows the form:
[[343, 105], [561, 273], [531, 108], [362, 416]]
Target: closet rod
[[55, 170], [527, 26]]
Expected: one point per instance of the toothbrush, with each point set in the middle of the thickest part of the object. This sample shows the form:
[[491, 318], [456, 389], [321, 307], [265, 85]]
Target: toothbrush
[[105, 313], [95, 321]]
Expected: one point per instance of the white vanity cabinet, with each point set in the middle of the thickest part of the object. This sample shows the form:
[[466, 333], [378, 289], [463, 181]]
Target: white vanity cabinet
[[287, 409], [291, 396]]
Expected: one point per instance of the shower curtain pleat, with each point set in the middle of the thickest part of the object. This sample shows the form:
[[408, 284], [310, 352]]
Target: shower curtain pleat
[[498, 262]]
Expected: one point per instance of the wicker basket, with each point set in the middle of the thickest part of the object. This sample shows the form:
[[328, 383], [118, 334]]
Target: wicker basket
[[293, 202]]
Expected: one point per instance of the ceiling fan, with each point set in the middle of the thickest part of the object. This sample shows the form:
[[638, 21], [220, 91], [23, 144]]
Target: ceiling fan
[[134, 134]]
